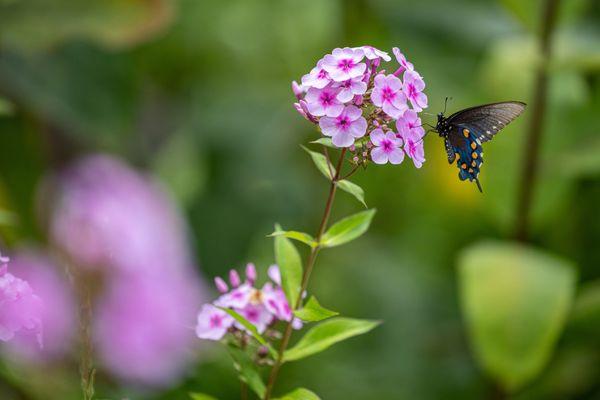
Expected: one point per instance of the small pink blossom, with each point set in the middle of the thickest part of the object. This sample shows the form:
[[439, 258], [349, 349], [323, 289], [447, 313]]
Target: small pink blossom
[[410, 124], [404, 64], [234, 278], [221, 285], [350, 88], [372, 53], [213, 323], [298, 90], [413, 146], [302, 108], [317, 78], [388, 95], [257, 315], [344, 64], [324, 101], [250, 273], [413, 87], [387, 147], [344, 128], [237, 298]]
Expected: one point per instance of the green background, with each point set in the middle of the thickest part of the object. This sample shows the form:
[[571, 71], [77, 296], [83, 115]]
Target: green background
[[198, 93]]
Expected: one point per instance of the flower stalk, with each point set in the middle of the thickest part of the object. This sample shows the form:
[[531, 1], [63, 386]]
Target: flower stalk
[[310, 263]]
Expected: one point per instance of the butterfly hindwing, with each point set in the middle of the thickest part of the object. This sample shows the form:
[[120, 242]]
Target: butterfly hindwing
[[488, 119], [468, 152]]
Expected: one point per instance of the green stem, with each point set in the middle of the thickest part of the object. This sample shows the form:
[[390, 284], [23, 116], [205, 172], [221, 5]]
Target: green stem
[[310, 263], [538, 112]]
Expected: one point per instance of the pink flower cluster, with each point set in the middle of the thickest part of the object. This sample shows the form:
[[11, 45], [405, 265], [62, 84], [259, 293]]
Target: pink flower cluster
[[363, 108], [261, 307], [20, 307]]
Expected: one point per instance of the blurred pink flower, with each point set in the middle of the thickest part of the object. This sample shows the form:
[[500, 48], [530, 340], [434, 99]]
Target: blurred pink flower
[[323, 102], [144, 327], [387, 147], [344, 64], [108, 216], [410, 124], [59, 311], [20, 307], [413, 88], [344, 128], [388, 95], [213, 323]]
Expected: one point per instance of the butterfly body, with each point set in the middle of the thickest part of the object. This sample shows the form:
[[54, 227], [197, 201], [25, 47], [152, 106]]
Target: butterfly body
[[465, 131]]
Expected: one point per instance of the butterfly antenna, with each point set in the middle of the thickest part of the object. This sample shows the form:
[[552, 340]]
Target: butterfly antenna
[[478, 185], [446, 103]]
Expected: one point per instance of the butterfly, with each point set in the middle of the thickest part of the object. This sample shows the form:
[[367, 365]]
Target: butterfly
[[464, 132]]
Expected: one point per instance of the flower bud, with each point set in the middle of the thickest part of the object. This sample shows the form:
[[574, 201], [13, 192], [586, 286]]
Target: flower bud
[[221, 285], [234, 278], [251, 273]]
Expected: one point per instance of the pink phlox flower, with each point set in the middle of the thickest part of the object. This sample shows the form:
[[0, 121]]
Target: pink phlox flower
[[373, 53], [274, 274], [213, 323], [387, 94], [350, 88], [302, 108], [413, 146], [344, 64], [317, 78], [20, 308], [404, 64], [344, 128], [237, 298], [324, 101], [257, 314], [413, 88], [298, 90], [387, 147], [410, 124]]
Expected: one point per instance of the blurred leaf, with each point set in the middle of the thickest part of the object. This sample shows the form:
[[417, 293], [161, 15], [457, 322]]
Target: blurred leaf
[[250, 327], [299, 236], [347, 229], [515, 300], [300, 394], [321, 162], [353, 189], [201, 396], [247, 370], [586, 309], [39, 24], [6, 107], [582, 160], [8, 218], [290, 266], [314, 312], [527, 12], [326, 334]]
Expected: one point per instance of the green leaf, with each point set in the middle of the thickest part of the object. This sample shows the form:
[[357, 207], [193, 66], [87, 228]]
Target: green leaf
[[247, 370], [6, 107], [326, 334], [250, 327], [300, 394], [515, 300], [290, 266], [347, 229], [314, 312], [325, 141], [353, 189], [321, 162], [201, 396], [299, 236], [585, 316]]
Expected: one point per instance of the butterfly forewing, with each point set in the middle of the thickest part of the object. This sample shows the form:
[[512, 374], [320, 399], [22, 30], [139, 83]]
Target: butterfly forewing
[[487, 120]]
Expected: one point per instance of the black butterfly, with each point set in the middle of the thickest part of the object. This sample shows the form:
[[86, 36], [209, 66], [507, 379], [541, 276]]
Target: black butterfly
[[465, 130]]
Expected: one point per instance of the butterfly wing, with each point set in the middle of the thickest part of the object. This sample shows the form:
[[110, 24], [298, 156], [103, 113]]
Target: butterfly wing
[[467, 150], [487, 120]]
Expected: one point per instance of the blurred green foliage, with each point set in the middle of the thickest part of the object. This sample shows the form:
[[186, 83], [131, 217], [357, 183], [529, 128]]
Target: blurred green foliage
[[198, 94]]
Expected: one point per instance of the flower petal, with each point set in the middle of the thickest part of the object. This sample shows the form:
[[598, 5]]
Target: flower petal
[[379, 156]]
